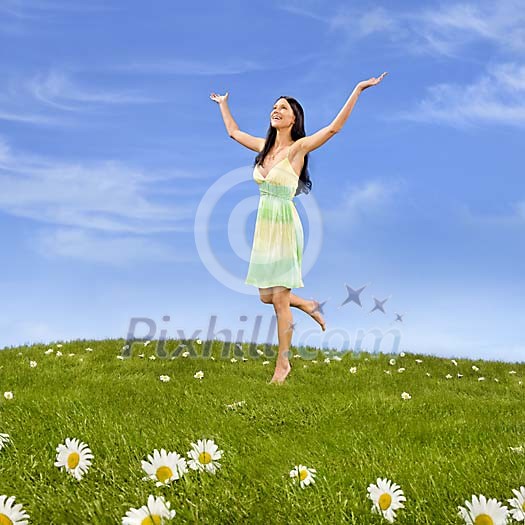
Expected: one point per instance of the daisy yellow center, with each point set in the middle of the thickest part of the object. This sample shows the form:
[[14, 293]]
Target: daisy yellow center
[[4, 520], [384, 501], [164, 473], [204, 457], [523, 506], [302, 474], [154, 519], [483, 519], [73, 459]]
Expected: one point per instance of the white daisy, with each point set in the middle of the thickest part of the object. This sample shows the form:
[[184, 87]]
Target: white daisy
[[314, 361], [454, 362], [4, 439], [327, 360], [475, 368], [164, 467], [519, 450], [146, 343], [71, 354], [164, 378], [266, 362], [59, 346], [481, 379], [204, 456], [236, 404], [405, 396], [89, 349], [392, 362], [199, 374], [8, 395], [335, 358], [58, 353], [304, 474], [460, 376], [198, 341], [400, 370], [419, 361], [157, 511], [141, 355], [11, 513], [517, 504], [387, 371], [512, 371], [481, 511], [185, 354], [448, 376], [152, 357], [353, 369], [260, 352], [49, 351], [121, 357], [74, 456], [428, 374], [233, 360], [32, 364], [386, 498], [402, 354]]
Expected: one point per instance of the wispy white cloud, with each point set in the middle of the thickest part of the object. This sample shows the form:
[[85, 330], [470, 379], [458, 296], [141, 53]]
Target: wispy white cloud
[[82, 245], [107, 196], [223, 66], [514, 217], [439, 29], [57, 89], [28, 118], [359, 202], [498, 96], [35, 101]]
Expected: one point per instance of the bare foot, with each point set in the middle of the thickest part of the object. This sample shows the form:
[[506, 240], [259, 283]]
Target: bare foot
[[316, 314], [281, 371]]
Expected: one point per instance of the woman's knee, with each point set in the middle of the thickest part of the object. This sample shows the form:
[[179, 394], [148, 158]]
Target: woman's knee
[[281, 299], [266, 296]]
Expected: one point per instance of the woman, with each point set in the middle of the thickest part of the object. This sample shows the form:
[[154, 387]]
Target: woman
[[280, 170]]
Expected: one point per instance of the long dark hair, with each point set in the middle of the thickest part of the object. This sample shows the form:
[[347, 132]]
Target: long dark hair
[[305, 184]]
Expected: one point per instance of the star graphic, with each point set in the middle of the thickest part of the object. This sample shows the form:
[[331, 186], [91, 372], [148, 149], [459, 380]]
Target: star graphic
[[379, 304], [291, 327], [353, 295], [399, 317], [319, 306]]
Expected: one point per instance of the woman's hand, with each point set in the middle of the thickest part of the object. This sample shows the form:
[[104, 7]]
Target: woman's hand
[[370, 82], [219, 98]]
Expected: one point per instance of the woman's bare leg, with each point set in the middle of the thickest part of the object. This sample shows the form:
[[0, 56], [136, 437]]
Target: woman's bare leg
[[308, 307], [281, 304]]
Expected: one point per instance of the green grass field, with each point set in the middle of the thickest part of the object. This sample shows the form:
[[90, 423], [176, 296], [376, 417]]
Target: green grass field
[[452, 439]]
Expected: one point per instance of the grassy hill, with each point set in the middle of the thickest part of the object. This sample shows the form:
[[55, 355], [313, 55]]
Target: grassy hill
[[450, 440]]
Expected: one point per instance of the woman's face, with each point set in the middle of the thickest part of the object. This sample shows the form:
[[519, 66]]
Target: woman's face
[[282, 115]]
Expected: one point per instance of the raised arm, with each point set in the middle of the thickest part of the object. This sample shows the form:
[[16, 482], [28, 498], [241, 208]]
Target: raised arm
[[251, 142], [317, 139]]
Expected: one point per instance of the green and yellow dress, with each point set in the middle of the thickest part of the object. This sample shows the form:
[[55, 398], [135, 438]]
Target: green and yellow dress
[[278, 240]]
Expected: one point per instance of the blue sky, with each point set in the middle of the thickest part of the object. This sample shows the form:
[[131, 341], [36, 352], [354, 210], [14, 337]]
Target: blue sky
[[109, 143]]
